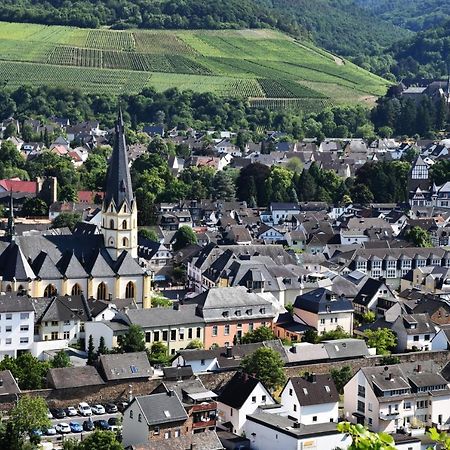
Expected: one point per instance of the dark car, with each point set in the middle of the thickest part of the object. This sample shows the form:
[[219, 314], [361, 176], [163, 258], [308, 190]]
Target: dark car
[[58, 413], [113, 421], [111, 408], [88, 425], [122, 406], [101, 424]]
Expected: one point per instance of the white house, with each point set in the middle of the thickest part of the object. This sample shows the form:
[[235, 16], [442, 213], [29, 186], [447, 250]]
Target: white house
[[280, 212], [414, 332], [391, 398], [312, 399], [241, 396], [16, 324], [324, 310], [268, 431]]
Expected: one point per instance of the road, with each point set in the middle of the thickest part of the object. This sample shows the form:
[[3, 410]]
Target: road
[[80, 420]]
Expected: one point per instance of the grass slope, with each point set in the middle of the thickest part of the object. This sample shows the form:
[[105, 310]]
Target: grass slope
[[264, 65]]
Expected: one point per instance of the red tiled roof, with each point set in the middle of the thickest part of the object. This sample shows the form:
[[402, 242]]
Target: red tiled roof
[[89, 196], [17, 185]]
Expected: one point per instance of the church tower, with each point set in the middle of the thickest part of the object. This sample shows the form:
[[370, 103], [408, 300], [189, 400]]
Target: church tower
[[119, 211]]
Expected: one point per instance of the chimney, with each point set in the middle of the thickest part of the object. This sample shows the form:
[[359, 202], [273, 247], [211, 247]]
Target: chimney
[[170, 392], [294, 349], [229, 352], [312, 378], [297, 424]]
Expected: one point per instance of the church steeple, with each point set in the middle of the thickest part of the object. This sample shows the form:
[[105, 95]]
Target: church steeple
[[118, 186], [119, 212], [11, 229]]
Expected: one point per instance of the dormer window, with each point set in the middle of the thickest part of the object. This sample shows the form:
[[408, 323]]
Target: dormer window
[[238, 312]]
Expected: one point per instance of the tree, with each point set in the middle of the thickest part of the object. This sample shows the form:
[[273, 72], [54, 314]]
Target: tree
[[101, 440], [29, 413], [184, 237], [363, 439], [442, 438], [383, 339], [341, 377], [267, 366], [258, 335], [369, 317], [29, 372], [223, 187], [419, 237], [33, 207], [158, 354], [133, 340], [360, 193], [310, 336], [102, 348], [338, 333], [195, 343], [68, 194], [91, 351], [148, 234], [61, 359], [158, 301], [66, 219]]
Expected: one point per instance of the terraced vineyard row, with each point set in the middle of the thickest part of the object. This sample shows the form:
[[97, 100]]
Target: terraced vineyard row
[[161, 43], [286, 89], [110, 59], [114, 40], [294, 104]]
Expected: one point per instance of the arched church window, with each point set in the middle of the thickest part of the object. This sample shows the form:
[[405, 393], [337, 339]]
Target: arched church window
[[124, 225], [20, 288], [50, 290], [111, 224], [130, 290], [125, 242], [111, 242], [111, 208], [76, 289], [101, 291], [9, 288], [125, 208]]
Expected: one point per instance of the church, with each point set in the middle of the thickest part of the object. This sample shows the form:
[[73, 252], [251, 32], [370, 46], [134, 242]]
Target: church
[[102, 266]]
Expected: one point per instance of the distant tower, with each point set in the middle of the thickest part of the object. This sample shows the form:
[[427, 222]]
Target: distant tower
[[11, 228], [119, 211]]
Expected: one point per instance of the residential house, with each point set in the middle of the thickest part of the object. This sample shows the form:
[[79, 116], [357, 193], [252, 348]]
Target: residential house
[[367, 298], [311, 399], [16, 325], [231, 312], [398, 397], [280, 212], [414, 332], [125, 366], [241, 396], [69, 378], [324, 311]]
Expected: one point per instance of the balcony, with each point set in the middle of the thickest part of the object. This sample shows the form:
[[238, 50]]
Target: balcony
[[204, 424], [211, 406], [389, 415]]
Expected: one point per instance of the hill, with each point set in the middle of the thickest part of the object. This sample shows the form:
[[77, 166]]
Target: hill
[[266, 66], [414, 15]]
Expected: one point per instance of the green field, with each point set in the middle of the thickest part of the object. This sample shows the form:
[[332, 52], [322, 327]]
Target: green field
[[264, 66]]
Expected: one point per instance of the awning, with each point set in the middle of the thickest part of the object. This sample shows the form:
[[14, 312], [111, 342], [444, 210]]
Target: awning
[[202, 395], [160, 278]]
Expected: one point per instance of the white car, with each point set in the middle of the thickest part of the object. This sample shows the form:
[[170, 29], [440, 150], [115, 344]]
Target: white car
[[62, 428], [71, 411], [49, 414], [50, 431], [98, 409], [84, 409]]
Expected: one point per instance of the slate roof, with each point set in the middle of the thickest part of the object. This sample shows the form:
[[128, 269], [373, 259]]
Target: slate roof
[[422, 324], [44, 267], [70, 266], [14, 265], [118, 185], [154, 317], [238, 390], [9, 384], [15, 303], [346, 348], [159, 409], [315, 389], [73, 377], [125, 366], [61, 308], [368, 291], [179, 372], [320, 301]]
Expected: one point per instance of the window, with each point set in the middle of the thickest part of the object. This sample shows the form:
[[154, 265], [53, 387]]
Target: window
[[407, 405], [156, 336], [314, 419], [322, 321], [24, 316], [125, 242], [111, 222], [226, 330], [181, 334], [67, 322], [427, 337], [264, 398], [165, 335], [415, 338], [54, 336], [189, 333], [361, 406], [24, 328], [167, 435], [101, 291], [199, 332], [173, 335], [66, 335], [254, 399], [8, 341], [8, 329], [24, 340], [251, 326], [54, 323], [130, 290], [156, 431], [369, 421], [124, 225], [290, 392], [76, 289], [176, 433], [214, 330], [8, 316], [139, 417], [295, 408], [131, 413], [369, 406], [202, 362], [50, 290], [238, 313], [361, 391], [148, 336]]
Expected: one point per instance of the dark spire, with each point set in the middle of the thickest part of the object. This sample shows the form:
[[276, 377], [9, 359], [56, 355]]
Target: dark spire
[[11, 229], [118, 187]]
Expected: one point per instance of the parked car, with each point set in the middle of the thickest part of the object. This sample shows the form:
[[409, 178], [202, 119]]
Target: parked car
[[84, 409], [114, 423], [58, 413], [98, 409], [71, 411], [111, 408], [36, 432], [75, 427], [49, 414], [88, 425], [122, 406], [62, 428], [50, 431], [101, 424]]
